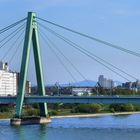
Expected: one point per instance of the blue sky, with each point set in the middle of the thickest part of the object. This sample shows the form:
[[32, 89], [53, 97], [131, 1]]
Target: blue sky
[[116, 21]]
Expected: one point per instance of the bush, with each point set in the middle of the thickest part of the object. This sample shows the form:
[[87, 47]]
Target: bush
[[112, 110], [53, 113], [4, 109], [36, 106], [137, 107], [31, 112], [121, 107], [87, 108], [54, 106]]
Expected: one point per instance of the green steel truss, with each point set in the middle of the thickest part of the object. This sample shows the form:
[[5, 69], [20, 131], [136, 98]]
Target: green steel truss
[[31, 36]]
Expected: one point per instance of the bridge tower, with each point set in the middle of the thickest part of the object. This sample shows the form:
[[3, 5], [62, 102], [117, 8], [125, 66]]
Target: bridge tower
[[31, 36]]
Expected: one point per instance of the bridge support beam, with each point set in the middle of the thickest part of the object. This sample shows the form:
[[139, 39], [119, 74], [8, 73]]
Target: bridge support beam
[[31, 36]]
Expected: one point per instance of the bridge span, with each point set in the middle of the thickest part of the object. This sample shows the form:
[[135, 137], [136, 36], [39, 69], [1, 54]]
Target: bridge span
[[74, 99]]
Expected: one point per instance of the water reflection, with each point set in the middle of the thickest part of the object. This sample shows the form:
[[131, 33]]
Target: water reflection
[[43, 132], [19, 132], [34, 132]]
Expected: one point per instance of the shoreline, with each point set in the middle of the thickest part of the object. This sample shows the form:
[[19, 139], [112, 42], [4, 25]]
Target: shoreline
[[90, 115], [95, 115]]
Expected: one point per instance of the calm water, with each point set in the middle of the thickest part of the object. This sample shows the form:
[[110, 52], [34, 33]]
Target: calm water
[[125, 127]]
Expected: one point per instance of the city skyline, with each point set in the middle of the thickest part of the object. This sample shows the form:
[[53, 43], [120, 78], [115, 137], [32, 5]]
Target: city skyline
[[111, 21]]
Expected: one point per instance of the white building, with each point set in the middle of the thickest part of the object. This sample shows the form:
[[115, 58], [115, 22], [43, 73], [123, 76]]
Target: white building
[[138, 85], [81, 91], [8, 81], [105, 83]]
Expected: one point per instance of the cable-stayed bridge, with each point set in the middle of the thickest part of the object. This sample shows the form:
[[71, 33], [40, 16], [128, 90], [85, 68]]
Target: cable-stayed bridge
[[38, 27]]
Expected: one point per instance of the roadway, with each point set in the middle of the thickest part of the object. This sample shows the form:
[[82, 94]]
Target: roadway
[[74, 99]]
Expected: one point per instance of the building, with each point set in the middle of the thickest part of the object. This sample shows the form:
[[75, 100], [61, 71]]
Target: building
[[132, 85], [79, 91], [105, 83], [9, 81], [128, 85], [137, 85], [8, 85], [28, 85]]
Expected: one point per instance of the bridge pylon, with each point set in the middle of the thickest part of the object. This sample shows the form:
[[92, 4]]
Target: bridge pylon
[[31, 36]]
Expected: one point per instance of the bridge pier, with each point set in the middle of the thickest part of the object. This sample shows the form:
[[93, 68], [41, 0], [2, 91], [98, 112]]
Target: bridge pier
[[30, 121]]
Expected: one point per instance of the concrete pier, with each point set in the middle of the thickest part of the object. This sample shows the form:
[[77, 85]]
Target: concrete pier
[[30, 121]]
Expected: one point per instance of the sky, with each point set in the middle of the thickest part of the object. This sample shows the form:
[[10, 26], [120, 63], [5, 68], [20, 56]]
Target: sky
[[117, 22]]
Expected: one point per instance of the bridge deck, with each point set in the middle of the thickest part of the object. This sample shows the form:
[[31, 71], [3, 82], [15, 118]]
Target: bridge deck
[[75, 99]]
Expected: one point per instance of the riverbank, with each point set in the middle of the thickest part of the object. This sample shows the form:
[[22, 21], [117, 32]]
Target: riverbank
[[95, 115], [89, 115]]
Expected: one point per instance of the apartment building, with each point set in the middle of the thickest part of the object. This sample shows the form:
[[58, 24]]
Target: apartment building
[[9, 81], [105, 83], [8, 84]]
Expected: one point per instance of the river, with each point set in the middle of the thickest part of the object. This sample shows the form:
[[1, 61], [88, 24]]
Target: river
[[119, 127]]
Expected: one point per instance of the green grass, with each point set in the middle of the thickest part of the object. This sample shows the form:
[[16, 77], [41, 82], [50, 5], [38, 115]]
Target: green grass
[[58, 110]]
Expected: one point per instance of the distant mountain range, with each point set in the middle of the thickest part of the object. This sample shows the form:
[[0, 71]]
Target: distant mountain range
[[85, 83]]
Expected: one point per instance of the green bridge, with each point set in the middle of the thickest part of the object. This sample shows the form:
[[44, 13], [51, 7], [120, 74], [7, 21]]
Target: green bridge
[[31, 37], [74, 99]]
